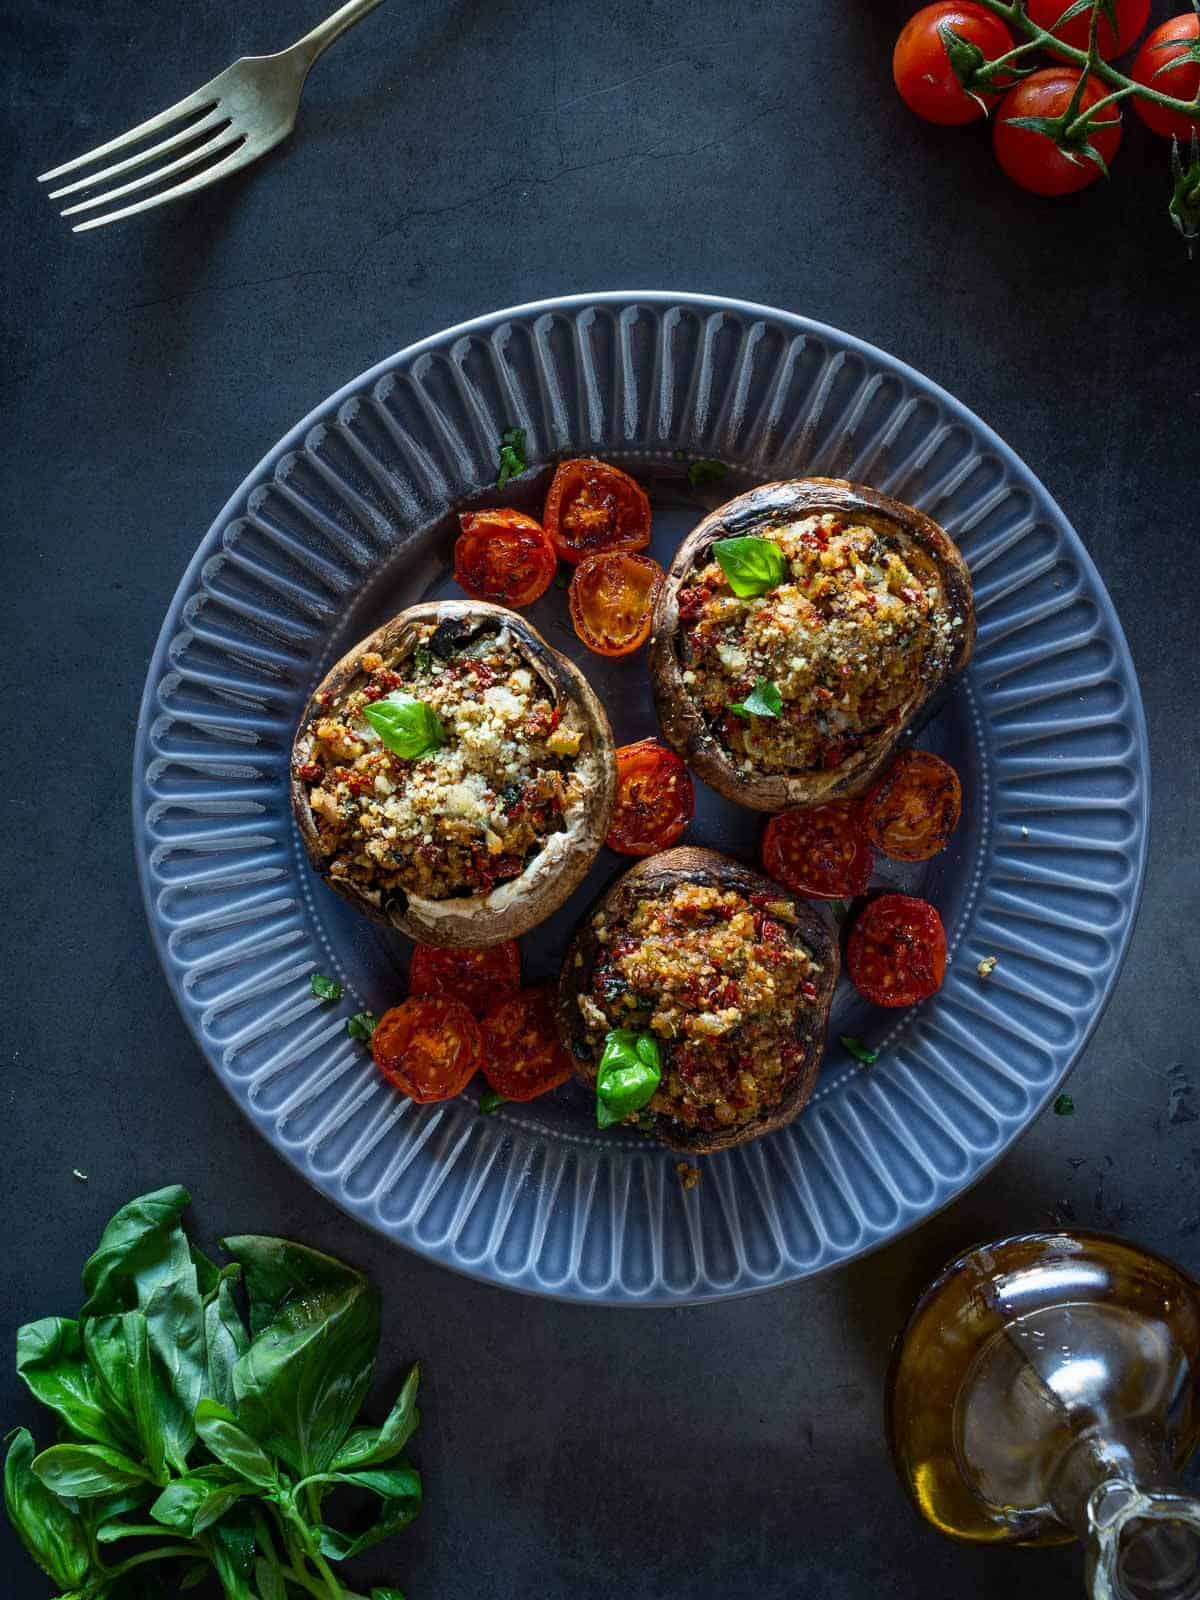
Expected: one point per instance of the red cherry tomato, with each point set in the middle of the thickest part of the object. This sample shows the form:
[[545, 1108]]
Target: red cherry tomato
[[897, 952], [1163, 64], [822, 853], [428, 1046], [522, 1054], [1132, 16], [921, 68], [593, 506], [1032, 159], [914, 808], [612, 601], [655, 799], [476, 977], [503, 556]]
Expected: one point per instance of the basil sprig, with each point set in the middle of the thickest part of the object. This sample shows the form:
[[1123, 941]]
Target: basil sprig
[[630, 1072], [408, 727], [751, 566], [764, 700], [192, 1435]]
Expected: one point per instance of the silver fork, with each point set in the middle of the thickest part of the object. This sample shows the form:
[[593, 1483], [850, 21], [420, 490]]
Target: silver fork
[[245, 111]]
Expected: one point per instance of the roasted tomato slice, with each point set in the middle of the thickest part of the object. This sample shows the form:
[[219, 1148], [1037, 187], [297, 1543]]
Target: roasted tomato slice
[[592, 507], [476, 977], [897, 952], [822, 852], [655, 799], [429, 1047], [612, 601], [522, 1054], [914, 808], [503, 556]]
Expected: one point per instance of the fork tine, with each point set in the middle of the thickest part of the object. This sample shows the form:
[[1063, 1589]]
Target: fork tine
[[210, 147], [151, 153], [202, 98], [236, 158]]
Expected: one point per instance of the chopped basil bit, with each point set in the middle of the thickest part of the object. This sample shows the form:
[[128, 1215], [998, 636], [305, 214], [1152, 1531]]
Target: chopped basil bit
[[1064, 1106], [362, 1025], [751, 566], [704, 472], [325, 988], [423, 658], [491, 1100], [840, 909], [630, 1072], [859, 1050], [764, 700], [406, 726], [512, 455]]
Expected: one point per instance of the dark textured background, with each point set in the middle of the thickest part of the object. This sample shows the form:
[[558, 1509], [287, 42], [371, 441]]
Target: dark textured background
[[453, 158]]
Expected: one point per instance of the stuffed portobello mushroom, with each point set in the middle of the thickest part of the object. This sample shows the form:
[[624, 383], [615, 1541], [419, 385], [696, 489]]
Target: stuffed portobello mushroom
[[717, 974], [453, 776], [802, 628]]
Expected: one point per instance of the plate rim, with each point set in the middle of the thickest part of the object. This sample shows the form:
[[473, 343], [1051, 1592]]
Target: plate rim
[[661, 299]]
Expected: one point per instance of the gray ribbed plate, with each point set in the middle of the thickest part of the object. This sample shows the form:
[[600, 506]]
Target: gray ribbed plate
[[349, 519]]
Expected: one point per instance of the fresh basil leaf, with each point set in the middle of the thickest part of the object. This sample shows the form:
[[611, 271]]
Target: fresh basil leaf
[[104, 1347], [79, 1471], [208, 1273], [315, 1323], [194, 1502], [859, 1050], [226, 1340], [629, 1074], [365, 1446], [702, 473], [142, 1244], [407, 726], [196, 1573], [751, 566], [764, 700], [268, 1581], [1064, 1106], [400, 1490], [219, 1429], [491, 1100], [144, 1394], [50, 1529], [113, 1532], [231, 1548], [324, 988], [51, 1362], [174, 1315], [362, 1025], [511, 456]]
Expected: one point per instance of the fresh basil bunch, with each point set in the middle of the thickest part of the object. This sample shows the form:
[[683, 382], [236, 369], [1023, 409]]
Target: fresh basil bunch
[[190, 1445]]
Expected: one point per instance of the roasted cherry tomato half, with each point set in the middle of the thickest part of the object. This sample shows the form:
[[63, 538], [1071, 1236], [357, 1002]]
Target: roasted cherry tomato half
[[1132, 16], [522, 1053], [593, 507], [476, 977], [428, 1046], [1032, 159], [612, 601], [503, 556], [1163, 63], [822, 852], [914, 808], [897, 952], [655, 799], [921, 68]]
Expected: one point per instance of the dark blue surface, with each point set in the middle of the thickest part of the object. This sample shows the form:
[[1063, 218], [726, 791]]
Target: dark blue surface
[[451, 158]]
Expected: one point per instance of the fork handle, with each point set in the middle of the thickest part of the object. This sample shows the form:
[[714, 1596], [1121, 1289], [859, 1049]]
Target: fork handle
[[323, 35]]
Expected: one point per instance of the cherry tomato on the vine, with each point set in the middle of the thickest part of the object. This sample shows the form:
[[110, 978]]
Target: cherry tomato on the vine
[[503, 556], [655, 799], [593, 506], [897, 951], [822, 852], [522, 1054], [921, 68], [428, 1046], [1032, 159], [1164, 63], [1132, 16], [476, 977]]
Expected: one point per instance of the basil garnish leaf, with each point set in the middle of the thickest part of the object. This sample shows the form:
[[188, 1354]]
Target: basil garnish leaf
[[362, 1025], [701, 473], [491, 1100], [512, 455], [764, 700], [630, 1073], [408, 727], [1064, 1106], [751, 566], [325, 988], [423, 658], [859, 1050]]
